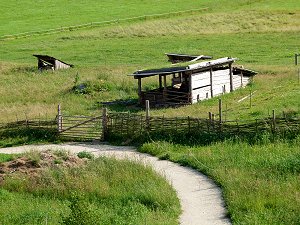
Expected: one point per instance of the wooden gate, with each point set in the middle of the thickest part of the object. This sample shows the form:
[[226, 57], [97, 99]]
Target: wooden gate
[[80, 127]]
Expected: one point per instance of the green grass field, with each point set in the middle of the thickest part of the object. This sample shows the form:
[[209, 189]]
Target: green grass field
[[260, 183], [105, 191], [264, 35]]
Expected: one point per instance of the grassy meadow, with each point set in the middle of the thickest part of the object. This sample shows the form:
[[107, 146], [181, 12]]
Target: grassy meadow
[[260, 182], [104, 191], [103, 57]]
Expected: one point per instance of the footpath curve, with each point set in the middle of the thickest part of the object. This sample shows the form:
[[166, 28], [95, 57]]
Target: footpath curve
[[201, 200]]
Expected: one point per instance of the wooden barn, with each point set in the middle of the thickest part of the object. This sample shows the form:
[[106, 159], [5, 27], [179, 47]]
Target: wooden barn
[[193, 83], [46, 62]]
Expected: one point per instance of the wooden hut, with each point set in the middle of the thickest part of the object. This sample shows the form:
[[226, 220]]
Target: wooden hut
[[46, 62], [193, 83]]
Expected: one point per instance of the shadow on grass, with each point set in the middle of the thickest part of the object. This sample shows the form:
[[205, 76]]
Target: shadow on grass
[[27, 135]]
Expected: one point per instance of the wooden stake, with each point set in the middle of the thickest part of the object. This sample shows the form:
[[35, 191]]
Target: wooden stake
[[274, 120], [147, 114], [211, 83], [147, 109], [59, 119], [104, 124]]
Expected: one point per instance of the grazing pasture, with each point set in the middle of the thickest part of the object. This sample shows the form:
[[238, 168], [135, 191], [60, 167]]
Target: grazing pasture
[[259, 180]]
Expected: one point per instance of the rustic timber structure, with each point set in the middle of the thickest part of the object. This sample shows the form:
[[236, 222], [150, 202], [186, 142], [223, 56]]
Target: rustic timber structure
[[46, 62], [193, 83], [177, 58]]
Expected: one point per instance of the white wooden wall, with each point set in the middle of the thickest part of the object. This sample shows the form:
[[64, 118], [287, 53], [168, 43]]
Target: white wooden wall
[[221, 84], [60, 65]]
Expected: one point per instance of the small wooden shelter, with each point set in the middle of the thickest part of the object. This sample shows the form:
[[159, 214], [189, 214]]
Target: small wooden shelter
[[46, 62], [193, 83], [177, 58]]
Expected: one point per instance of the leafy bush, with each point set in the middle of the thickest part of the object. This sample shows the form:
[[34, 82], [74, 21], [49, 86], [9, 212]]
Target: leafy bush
[[85, 154]]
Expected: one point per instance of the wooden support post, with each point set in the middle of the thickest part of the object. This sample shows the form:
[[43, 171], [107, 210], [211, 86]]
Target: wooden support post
[[59, 119], [160, 82], [104, 124], [296, 59], [273, 120], [211, 83], [140, 90], [231, 77], [147, 115], [241, 79]]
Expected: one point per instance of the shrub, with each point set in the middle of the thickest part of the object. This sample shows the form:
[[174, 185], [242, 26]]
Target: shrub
[[85, 154]]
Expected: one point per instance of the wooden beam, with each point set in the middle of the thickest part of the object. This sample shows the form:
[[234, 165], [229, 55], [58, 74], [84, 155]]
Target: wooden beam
[[211, 83], [230, 77], [140, 90]]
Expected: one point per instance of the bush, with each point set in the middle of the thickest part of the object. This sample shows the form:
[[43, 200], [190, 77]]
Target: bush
[[85, 154]]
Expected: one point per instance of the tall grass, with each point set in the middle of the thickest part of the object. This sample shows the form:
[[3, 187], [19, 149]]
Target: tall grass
[[117, 192], [260, 182]]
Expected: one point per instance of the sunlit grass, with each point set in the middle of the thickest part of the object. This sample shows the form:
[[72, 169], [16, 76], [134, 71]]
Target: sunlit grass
[[118, 192], [260, 183]]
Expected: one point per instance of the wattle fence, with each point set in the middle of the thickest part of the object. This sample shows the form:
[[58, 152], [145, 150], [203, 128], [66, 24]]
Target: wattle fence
[[132, 126], [136, 127]]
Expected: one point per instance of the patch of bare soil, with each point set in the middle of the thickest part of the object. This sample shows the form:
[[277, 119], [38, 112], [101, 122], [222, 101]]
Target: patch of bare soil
[[33, 165]]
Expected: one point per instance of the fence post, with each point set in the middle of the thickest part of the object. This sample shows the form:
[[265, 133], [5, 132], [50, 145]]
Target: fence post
[[59, 119], [104, 124], [220, 111], [274, 120], [147, 114]]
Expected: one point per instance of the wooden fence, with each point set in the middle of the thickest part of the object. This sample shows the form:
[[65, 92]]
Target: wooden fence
[[32, 123], [126, 125]]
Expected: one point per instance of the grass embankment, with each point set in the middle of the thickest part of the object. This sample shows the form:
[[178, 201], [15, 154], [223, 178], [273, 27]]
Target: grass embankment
[[104, 191], [260, 183], [104, 56]]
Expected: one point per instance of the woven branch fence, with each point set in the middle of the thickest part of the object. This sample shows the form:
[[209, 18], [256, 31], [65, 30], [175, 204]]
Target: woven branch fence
[[131, 125]]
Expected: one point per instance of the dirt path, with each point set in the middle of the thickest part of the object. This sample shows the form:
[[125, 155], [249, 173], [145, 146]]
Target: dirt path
[[200, 198]]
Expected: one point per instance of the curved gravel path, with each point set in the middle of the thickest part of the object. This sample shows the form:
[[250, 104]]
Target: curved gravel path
[[200, 198]]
